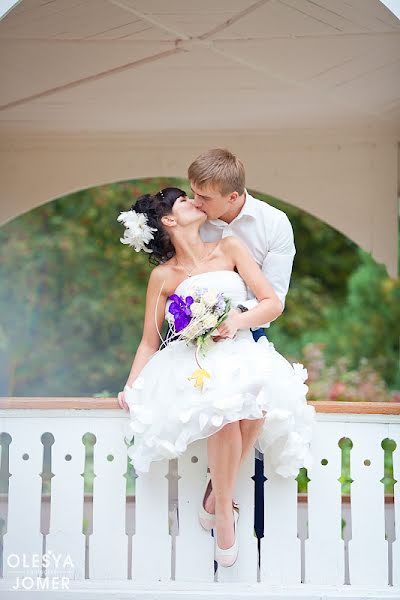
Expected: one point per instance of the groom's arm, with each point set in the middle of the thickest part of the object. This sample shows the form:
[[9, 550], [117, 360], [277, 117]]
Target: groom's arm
[[277, 265]]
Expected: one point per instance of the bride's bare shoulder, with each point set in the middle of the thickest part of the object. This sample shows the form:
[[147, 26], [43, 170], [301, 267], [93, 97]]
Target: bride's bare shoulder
[[163, 275], [232, 242], [231, 246]]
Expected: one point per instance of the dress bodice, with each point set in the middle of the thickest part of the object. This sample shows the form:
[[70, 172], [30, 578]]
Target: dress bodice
[[228, 282]]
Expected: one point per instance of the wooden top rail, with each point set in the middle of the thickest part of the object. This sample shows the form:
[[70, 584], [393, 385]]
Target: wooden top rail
[[321, 406]]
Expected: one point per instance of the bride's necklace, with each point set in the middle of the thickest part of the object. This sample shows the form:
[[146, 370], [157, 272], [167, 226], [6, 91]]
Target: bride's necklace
[[195, 267]]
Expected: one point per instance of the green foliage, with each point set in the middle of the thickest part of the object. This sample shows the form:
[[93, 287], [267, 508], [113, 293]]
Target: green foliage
[[366, 325], [73, 303], [340, 298], [323, 262]]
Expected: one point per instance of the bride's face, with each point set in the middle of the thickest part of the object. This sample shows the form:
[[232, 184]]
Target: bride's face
[[186, 213]]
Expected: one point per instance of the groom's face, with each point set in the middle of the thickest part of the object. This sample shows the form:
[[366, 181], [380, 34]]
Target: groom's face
[[210, 200]]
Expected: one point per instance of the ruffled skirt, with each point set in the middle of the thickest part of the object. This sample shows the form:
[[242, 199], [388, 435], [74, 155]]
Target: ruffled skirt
[[167, 411]]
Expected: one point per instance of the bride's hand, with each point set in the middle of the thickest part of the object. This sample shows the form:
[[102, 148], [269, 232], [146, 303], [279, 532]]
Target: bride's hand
[[229, 327], [121, 401]]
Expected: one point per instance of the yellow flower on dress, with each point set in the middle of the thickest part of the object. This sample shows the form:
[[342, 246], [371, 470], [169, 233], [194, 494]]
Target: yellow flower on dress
[[198, 376]]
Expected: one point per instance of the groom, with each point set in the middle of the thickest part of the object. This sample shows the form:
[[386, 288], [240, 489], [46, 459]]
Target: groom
[[217, 179]]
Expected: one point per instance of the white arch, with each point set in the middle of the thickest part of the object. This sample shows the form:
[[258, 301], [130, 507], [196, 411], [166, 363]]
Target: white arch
[[350, 184]]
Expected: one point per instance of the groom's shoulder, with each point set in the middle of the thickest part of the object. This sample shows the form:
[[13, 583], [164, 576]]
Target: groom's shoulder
[[267, 211]]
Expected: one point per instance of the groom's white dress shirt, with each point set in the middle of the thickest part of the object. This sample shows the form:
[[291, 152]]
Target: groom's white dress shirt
[[268, 234]]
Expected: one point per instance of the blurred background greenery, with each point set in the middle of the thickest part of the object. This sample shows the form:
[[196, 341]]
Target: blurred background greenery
[[72, 302]]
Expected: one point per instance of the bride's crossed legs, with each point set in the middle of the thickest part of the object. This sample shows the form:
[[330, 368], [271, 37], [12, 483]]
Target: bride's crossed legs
[[227, 449]]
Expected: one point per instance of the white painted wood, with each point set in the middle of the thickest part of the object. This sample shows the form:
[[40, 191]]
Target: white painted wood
[[118, 590], [245, 568], [368, 549], [151, 560], [280, 560], [108, 558], [65, 537], [23, 539], [194, 545], [324, 510], [394, 434]]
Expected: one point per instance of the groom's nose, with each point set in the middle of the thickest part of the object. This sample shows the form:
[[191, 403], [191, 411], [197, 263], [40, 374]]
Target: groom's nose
[[197, 202]]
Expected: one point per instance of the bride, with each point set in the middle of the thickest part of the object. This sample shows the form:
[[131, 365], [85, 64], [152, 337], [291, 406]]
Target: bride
[[245, 395]]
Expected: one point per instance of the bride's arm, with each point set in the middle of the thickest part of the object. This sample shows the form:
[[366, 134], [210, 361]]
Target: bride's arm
[[269, 306], [156, 297]]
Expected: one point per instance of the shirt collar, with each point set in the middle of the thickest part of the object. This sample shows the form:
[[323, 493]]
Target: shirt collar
[[247, 210]]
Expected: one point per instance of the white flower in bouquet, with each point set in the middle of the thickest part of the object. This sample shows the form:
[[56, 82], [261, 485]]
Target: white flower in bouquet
[[194, 329], [198, 309], [209, 321], [170, 319], [210, 297]]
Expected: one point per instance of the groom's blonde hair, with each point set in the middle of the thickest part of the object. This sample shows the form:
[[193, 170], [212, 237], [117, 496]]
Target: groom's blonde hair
[[220, 169]]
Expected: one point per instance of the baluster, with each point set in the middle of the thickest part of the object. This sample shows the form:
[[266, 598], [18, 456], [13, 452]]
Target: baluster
[[23, 540], [65, 537], [151, 555], [246, 567], [394, 434], [194, 545], [324, 510], [368, 549], [280, 560], [109, 541]]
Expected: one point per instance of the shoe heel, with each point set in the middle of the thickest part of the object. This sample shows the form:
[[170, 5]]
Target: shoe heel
[[206, 519]]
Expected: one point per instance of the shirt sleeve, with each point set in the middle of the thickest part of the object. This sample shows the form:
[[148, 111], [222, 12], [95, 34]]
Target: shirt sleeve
[[277, 265]]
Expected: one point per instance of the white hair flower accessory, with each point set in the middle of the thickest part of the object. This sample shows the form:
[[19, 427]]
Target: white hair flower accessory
[[137, 232]]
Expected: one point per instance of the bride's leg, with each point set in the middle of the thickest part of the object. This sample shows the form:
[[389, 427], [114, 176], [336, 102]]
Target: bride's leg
[[224, 452], [249, 429]]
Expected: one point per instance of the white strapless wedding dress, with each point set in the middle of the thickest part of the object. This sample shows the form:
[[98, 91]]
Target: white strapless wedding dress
[[167, 413]]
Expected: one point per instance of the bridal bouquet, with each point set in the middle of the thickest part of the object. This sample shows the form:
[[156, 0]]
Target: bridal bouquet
[[194, 318]]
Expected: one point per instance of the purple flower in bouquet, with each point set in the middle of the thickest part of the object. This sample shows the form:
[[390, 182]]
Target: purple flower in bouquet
[[180, 309], [220, 305]]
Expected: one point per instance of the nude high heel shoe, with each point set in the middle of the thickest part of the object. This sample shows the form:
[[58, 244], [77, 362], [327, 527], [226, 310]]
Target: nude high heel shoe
[[207, 520], [226, 557]]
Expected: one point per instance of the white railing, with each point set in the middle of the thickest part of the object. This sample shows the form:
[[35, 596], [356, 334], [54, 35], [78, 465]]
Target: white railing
[[107, 540]]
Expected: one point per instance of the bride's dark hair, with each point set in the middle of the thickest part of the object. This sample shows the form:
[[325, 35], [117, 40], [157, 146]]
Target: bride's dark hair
[[155, 207]]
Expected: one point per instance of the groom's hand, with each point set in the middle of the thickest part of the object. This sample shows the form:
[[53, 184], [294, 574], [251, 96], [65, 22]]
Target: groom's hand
[[229, 327]]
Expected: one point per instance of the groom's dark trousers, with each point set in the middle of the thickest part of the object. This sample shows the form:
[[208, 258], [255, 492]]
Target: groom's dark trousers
[[258, 466]]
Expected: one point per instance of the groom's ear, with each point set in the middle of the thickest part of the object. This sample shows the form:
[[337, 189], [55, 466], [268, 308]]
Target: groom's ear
[[233, 197]]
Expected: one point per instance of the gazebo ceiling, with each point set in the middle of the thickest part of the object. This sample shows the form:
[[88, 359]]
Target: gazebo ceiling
[[307, 92], [174, 65]]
